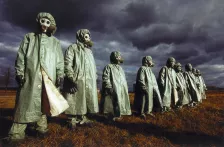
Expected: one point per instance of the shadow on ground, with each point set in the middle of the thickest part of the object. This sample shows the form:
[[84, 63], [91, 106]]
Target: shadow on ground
[[147, 129], [181, 138]]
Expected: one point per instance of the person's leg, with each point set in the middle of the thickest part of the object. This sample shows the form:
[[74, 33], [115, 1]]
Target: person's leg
[[172, 101], [143, 107], [84, 120], [17, 131], [149, 104], [42, 125], [72, 121], [179, 103], [117, 115]]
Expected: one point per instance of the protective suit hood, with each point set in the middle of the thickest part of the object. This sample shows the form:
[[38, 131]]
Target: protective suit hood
[[178, 67], [80, 36], [115, 58], [198, 72], [170, 59], [178, 64], [50, 17], [145, 61], [194, 71], [188, 67], [170, 62]]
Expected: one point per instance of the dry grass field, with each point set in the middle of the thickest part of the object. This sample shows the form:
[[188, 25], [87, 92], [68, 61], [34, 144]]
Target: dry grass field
[[201, 126]]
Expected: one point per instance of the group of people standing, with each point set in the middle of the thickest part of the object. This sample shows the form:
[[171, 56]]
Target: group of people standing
[[40, 55], [173, 88]]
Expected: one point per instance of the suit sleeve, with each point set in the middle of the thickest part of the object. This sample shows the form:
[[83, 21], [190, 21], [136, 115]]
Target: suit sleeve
[[178, 82], [141, 78], [21, 54], [161, 78], [186, 80], [174, 79], [60, 62], [106, 77], [68, 60]]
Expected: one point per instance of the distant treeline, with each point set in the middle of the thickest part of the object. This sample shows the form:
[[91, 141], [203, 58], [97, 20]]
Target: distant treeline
[[8, 88], [214, 88]]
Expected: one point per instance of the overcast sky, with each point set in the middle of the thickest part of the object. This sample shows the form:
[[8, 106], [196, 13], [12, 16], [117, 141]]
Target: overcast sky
[[191, 31]]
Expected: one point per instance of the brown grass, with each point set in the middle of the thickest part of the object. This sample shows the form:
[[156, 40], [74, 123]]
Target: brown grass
[[200, 126]]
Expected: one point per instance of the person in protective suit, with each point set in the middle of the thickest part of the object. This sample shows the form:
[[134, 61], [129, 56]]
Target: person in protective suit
[[194, 71], [39, 51], [146, 88], [197, 82], [80, 87], [115, 99], [201, 84], [167, 84], [183, 96], [191, 84]]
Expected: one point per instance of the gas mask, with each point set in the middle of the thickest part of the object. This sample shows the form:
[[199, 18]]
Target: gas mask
[[119, 59], [83, 36], [171, 62], [45, 24], [115, 57], [178, 67], [198, 72], [194, 71], [147, 61], [87, 40], [150, 63], [188, 67]]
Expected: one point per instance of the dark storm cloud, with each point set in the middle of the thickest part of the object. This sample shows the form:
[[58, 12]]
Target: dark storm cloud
[[188, 53], [7, 54], [146, 21], [215, 45], [138, 14], [182, 54], [146, 25], [69, 14], [198, 60], [190, 31], [155, 34]]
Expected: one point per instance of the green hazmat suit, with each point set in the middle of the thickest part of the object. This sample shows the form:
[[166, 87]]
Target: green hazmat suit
[[80, 67], [167, 83], [146, 88], [182, 91], [191, 84], [202, 86], [37, 50], [117, 102]]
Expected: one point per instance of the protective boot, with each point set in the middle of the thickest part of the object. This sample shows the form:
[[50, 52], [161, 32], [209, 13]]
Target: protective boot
[[72, 123], [143, 116], [42, 127], [151, 114], [17, 132], [85, 120]]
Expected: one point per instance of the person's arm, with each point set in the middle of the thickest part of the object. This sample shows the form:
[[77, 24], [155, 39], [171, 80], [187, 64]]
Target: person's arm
[[178, 84], [141, 79], [60, 62], [186, 80], [204, 86], [59, 66], [68, 63], [20, 61], [162, 77], [106, 77]]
